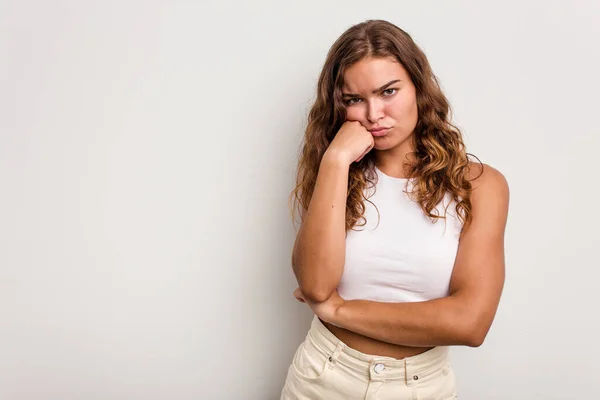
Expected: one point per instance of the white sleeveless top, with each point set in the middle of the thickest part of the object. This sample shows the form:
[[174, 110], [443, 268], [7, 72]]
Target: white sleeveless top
[[406, 257]]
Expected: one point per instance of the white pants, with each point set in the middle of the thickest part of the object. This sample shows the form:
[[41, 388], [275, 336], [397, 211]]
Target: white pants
[[326, 368]]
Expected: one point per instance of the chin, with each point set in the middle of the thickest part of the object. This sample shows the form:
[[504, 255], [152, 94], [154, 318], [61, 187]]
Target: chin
[[385, 143], [379, 146], [389, 142]]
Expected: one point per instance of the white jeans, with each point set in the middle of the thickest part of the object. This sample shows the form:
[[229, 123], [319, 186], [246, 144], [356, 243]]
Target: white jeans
[[326, 368]]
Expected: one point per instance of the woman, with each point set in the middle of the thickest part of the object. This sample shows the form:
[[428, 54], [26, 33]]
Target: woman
[[400, 253]]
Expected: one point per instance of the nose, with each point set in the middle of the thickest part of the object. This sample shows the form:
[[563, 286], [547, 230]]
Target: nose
[[375, 111]]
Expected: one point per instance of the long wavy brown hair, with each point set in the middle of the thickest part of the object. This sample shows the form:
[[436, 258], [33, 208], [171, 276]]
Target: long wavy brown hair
[[439, 162]]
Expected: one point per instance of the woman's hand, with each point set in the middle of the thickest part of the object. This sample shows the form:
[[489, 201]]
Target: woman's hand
[[325, 310], [351, 143]]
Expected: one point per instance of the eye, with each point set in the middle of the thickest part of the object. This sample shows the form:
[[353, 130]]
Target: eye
[[389, 92], [350, 102]]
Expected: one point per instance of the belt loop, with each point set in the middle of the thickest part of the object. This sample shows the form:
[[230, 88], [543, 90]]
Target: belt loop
[[405, 373], [336, 354]]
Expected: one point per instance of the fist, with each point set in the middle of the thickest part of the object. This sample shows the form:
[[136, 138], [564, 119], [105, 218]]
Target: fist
[[351, 143]]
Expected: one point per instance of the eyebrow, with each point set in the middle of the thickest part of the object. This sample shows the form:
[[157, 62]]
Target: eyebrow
[[374, 91]]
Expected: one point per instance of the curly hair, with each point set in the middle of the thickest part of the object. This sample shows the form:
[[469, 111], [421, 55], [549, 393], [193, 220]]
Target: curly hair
[[440, 163]]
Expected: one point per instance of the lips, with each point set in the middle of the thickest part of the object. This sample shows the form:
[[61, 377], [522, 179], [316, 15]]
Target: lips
[[379, 131]]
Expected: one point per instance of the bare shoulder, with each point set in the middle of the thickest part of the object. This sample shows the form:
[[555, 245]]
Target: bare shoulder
[[485, 178], [490, 196]]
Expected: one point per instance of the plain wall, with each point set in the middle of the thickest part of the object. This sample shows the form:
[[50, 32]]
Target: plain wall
[[147, 151]]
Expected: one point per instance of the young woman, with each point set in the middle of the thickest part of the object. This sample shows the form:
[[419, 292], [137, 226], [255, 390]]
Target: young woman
[[400, 252]]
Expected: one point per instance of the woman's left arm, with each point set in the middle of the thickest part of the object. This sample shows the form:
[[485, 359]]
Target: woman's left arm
[[465, 316]]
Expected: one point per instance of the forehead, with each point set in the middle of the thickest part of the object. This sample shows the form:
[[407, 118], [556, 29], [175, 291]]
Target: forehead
[[370, 73]]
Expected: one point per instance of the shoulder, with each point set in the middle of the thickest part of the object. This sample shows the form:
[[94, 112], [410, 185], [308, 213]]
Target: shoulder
[[490, 192], [485, 178]]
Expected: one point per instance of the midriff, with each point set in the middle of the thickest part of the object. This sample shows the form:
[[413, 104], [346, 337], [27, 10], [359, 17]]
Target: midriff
[[372, 346]]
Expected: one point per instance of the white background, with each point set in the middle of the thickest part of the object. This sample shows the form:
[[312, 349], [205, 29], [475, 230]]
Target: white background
[[147, 151]]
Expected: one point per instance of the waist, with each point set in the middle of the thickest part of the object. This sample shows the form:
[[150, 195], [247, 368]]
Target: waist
[[402, 360], [373, 346]]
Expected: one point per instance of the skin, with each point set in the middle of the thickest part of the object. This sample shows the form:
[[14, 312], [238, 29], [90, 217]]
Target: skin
[[393, 105], [465, 316]]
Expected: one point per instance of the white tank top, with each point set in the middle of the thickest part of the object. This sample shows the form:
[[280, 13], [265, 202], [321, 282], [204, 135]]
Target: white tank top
[[402, 256]]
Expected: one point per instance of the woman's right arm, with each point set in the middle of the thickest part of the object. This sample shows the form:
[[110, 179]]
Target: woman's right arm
[[320, 248]]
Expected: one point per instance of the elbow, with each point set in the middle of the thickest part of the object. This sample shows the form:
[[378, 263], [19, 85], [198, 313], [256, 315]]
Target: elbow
[[474, 334], [474, 339], [315, 294], [470, 327], [469, 321], [316, 287]]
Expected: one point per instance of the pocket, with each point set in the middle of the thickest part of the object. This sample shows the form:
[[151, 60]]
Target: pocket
[[439, 385], [310, 362], [450, 380]]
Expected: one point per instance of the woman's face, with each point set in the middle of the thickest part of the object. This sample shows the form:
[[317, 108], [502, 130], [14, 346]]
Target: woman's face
[[379, 93]]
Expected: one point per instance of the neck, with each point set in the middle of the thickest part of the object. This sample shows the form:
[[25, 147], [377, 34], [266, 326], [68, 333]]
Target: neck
[[393, 162]]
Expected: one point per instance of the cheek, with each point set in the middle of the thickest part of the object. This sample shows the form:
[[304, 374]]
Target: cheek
[[393, 109], [400, 110]]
